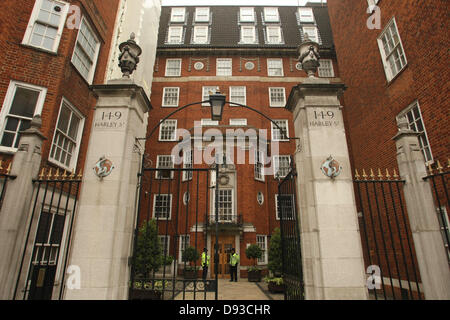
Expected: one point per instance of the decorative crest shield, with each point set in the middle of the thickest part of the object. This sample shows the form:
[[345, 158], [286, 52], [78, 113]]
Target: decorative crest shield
[[331, 168], [103, 167]]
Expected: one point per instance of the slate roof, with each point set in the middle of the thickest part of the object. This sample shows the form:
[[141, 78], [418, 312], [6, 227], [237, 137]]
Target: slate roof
[[225, 27]]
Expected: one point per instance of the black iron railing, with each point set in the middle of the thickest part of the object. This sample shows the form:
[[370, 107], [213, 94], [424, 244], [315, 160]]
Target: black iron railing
[[439, 181], [388, 247]]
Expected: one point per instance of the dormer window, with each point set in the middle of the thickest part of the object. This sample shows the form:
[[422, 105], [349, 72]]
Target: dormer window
[[178, 15], [247, 15], [306, 14], [201, 14], [271, 15]]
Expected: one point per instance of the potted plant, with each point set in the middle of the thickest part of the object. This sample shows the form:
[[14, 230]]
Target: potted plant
[[275, 281], [275, 284], [190, 255], [148, 259], [254, 252]]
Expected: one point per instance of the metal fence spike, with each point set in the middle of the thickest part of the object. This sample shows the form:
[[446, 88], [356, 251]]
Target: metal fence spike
[[380, 175], [357, 176], [49, 176], [395, 175], [430, 168], [364, 175], [9, 168], [439, 167], [1, 161], [388, 176], [372, 175]]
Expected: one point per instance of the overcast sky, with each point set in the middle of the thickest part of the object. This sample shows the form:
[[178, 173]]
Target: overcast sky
[[237, 2]]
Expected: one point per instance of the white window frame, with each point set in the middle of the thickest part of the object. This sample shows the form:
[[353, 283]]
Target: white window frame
[[234, 97], [34, 19], [187, 243], [188, 163], [165, 92], [270, 69], [244, 15], [315, 33], [306, 18], [275, 136], [220, 69], [259, 166], [397, 48], [276, 165], [90, 76], [274, 104], [264, 258], [209, 122], [154, 206], [178, 74], [7, 103], [273, 16], [200, 17], [277, 214], [253, 34], [278, 31], [423, 138], [326, 69], [232, 215], [157, 175], [195, 38], [238, 122], [74, 160], [162, 242], [166, 124], [176, 12], [179, 38], [206, 93]]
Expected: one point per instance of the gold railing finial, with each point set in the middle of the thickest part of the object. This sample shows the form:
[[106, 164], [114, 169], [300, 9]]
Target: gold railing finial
[[49, 176], [357, 176], [41, 176], [1, 161], [364, 175], [8, 170], [395, 175], [72, 174], [439, 167], [380, 175], [64, 175], [372, 175], [430, 168], [80, 174], [388, 176]]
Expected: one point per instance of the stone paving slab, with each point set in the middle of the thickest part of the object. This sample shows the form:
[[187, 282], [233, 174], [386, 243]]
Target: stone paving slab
[[241, 290]]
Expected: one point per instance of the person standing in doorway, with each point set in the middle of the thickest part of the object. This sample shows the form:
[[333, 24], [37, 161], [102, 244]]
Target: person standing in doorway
[[205, 263], [234, 262]]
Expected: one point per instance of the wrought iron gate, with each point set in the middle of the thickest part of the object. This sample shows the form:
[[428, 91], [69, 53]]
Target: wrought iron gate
[[387, 242], [290, 237], [173, 211], [44, 257]]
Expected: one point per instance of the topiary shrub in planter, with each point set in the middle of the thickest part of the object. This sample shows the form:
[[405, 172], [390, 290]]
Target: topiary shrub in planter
[[275, 281], [190, 255], [148, 259], [254, 252]]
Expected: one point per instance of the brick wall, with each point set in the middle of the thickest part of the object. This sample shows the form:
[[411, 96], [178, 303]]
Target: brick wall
[[371, 102], [53, 71]]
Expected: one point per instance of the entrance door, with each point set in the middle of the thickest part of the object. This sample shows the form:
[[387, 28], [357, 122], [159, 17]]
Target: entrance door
[[226, 243]]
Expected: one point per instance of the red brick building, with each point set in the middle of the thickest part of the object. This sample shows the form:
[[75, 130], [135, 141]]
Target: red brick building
[[394, 60], [52, 52], [397, 70], [250, 55]]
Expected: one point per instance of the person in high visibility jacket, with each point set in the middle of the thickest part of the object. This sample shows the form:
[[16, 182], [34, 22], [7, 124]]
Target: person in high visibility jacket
[[205, 262], [234, 262]]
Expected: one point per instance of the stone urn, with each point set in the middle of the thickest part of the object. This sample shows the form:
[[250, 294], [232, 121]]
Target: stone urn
[[129, 56], [309, 56]]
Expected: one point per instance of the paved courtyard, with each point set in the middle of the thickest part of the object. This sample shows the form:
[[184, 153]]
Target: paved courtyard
[[241, 290]]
